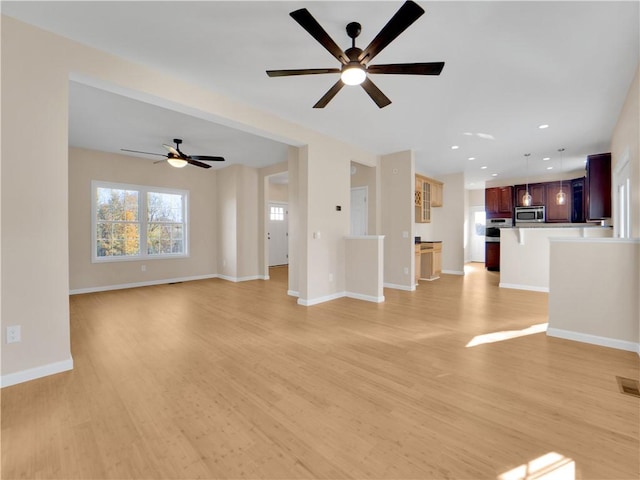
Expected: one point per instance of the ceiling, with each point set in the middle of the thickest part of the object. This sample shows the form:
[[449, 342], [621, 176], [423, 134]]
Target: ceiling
[[509, 67]]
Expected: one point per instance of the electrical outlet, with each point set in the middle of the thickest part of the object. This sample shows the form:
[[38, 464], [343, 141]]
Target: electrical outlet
[[143, 268], [405, 234], [331, 277], [406, 270], [14, 334]]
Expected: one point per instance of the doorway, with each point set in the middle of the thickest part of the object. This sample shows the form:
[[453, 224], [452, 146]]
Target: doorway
[[278, 234], [477, 219], [622, 198], [359, 211]]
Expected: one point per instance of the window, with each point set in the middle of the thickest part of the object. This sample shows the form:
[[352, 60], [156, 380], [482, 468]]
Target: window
[[132, 222], [276, 214]]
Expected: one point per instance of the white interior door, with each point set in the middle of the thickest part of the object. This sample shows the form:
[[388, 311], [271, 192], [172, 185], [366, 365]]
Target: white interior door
[[359, 211], [277, 234], [477, 228]]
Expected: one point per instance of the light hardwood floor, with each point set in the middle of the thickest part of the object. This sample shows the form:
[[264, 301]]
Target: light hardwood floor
[[213, 379]]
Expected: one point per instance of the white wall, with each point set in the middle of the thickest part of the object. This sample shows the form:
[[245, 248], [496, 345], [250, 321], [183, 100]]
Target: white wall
[[448, 224], [365, 176], [593, 292], [36, 68], [626, 142], [524, 254], [365, 267], [87, 165], [397, 183]]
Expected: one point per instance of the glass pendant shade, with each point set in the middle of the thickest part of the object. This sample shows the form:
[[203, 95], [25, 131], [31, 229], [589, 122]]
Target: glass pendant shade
[[177, 162], [353, 75], [526, 199], [561, 198]]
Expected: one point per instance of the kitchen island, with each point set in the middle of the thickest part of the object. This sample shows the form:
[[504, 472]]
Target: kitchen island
[[525, 251]]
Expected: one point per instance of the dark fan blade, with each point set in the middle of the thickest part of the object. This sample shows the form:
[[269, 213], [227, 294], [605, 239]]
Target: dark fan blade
[[307, 71], [146, 153], [173, 151], [433, 68], [310, 24], [375, 93], [409, 12], [329, 95], [160, 161], [197, 164], [206, 158]]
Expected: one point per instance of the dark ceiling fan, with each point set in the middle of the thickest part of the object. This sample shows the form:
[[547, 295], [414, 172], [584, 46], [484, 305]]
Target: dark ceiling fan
[[178, 159], [355, 61]]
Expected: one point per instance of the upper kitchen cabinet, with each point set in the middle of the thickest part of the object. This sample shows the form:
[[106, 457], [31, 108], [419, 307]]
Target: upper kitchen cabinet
[[577, 200], [598, 187], [537, 192], [498, 202], [428, 193], [555, 212]]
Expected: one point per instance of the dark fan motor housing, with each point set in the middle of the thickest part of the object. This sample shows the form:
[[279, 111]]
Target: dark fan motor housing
[[356, 58]]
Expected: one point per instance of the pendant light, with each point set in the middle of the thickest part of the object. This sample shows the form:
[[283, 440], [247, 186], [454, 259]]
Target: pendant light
[[561, 198], [526, 198]]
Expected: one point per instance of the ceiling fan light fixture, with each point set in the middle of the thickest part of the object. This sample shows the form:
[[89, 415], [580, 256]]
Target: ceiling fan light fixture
[[177, 162], [353, 74]]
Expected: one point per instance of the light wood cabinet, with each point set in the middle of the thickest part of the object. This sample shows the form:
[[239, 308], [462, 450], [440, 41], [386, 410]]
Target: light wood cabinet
[[418, 262], [430, 260], [428, 193], [436, 193]]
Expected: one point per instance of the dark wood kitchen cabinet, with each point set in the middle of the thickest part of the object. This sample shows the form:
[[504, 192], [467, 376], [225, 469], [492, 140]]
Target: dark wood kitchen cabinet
[[492, 256], [598, 187], [554, 212], [536, 190], [498, 202], [577, 200]]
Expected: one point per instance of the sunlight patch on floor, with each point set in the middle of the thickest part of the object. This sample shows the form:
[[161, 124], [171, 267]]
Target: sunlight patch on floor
[[506, 335], [551, 466]]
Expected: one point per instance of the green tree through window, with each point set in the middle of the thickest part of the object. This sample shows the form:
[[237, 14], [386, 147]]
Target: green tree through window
[[132, 221]]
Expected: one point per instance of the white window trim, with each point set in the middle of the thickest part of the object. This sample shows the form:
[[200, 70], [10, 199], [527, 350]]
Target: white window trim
[[142, 215]]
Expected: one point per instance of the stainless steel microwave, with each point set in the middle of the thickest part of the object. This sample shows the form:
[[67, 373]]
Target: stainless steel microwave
[[530, 214]]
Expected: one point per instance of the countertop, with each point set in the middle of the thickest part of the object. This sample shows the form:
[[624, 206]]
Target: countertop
[[558, 225], [428, 241]]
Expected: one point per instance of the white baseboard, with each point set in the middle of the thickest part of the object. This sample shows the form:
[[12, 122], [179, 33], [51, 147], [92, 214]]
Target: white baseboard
[[453, 272], [293, 293], [531, 288], [36, 372], [241, 279], [407, 288], [122, 286], [594, 340], [315, 301], [366, 298]]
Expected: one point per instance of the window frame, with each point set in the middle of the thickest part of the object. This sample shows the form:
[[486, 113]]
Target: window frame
[[143, 221]]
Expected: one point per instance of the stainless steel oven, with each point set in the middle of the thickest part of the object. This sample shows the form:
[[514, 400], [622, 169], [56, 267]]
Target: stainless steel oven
[[492, 232], [492, 239]]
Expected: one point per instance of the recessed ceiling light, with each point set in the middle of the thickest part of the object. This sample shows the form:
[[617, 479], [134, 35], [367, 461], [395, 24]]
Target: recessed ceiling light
[[546, 158], [543, 126], [472, 158], [454, 147], [484, 167], [549, 168], [494, 174]]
